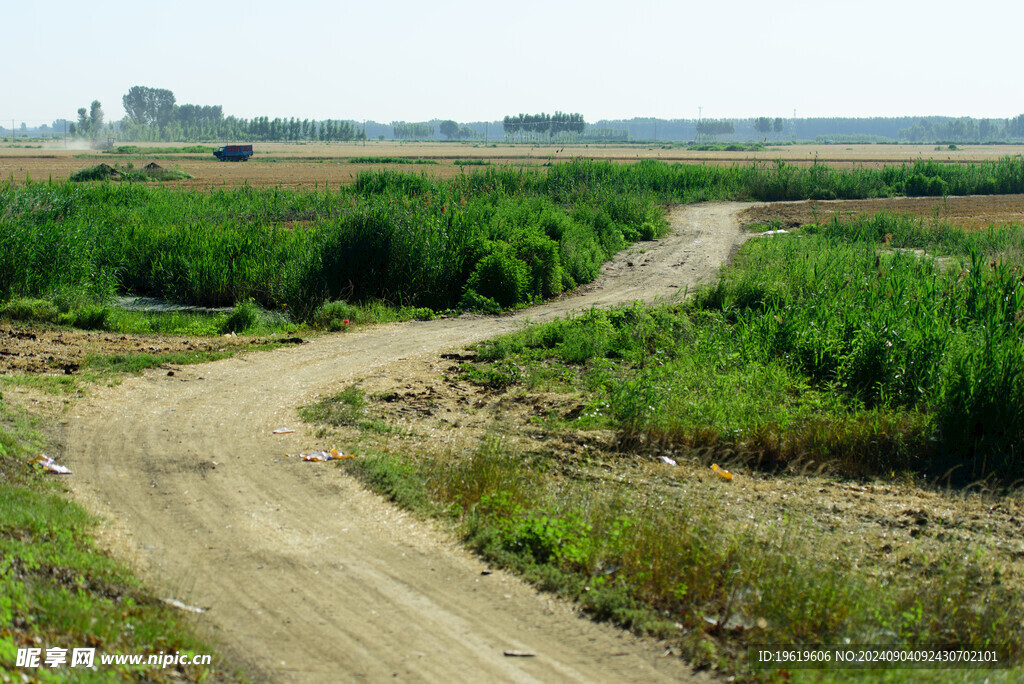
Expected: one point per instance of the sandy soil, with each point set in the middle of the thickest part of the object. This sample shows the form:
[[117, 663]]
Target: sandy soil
[[305, 576]]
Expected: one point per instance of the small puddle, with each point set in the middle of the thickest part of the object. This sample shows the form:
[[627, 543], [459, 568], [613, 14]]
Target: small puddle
[[156, 304]]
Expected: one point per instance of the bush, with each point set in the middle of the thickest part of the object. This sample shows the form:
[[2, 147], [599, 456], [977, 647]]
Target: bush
[[332, 315], [473, 301], [501, 277], [245, 317]]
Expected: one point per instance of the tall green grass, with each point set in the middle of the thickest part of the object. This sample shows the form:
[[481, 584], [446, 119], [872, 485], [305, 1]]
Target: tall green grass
[[495, 238], [395, 237], [836, 345]]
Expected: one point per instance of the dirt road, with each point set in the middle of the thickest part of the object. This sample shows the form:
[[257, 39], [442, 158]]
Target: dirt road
[[305, 576]]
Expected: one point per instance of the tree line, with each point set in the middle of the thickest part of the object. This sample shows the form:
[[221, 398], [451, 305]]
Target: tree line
[[534, 126], [154, 115]]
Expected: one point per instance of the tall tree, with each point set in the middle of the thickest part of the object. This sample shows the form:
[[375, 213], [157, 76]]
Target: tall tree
[[136, 103], [449, 129], [83, 122], [96, 117]]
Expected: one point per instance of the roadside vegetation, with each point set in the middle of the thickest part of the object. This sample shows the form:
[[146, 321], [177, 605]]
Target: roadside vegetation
[[879, 349], [873, 345], [148, 151]]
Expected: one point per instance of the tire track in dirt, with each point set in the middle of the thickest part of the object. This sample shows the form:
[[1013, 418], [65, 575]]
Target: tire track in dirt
[[306, 576]]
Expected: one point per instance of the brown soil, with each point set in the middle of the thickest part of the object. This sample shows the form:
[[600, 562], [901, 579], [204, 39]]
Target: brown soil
[[969, 212], [307, 577], [39, 350]]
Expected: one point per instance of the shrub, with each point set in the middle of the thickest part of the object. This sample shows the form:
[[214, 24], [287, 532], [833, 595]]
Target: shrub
[[501, 277], [332, 315], [245, 317], [473, 301]]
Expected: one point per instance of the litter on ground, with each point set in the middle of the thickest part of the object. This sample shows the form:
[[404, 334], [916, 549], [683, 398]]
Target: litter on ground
[[49, 465], [721, 471], [283, 431], [666, 459], [332, 455], [181, 605]]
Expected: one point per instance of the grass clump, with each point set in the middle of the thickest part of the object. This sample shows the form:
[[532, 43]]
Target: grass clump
[[29, 310], [339, 315], [347, 407]]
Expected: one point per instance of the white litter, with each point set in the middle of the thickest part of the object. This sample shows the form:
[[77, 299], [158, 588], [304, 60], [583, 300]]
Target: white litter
[[49, 465]]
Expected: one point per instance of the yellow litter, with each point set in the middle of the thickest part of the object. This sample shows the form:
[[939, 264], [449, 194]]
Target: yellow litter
[[721, 471]]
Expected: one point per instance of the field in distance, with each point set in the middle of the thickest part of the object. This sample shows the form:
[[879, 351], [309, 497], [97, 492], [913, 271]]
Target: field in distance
[[309, 164]]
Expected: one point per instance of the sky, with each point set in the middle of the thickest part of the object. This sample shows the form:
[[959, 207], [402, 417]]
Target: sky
[[478, 61]]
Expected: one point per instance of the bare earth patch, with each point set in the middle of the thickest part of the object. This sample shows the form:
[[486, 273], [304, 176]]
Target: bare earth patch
[[968, 212], [39, 350]]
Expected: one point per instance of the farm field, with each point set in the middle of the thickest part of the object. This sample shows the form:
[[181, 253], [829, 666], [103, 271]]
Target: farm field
[[297, 165], [547, 448]]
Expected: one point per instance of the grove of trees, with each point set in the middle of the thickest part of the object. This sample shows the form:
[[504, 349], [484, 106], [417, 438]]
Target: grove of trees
[[543, 126], [414, 131], [715, 127], [154, 115]]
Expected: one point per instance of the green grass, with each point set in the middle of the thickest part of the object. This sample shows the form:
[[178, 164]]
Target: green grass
[[390, 160], [245, 318], [58, 590], [661, 561], [498, 237], [138, 362], [403, 239], [836, 346]]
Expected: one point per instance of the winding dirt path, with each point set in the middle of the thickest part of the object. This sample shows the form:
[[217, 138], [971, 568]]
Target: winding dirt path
[[304, 575]]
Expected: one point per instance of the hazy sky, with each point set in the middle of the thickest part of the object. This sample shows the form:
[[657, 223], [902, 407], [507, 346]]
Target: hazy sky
[[478, 60]]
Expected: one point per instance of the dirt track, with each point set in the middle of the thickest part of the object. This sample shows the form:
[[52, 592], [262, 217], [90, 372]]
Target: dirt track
[[304, 575]]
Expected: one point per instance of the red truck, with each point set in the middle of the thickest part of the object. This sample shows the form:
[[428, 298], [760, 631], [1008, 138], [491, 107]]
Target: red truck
[[233, 153]]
